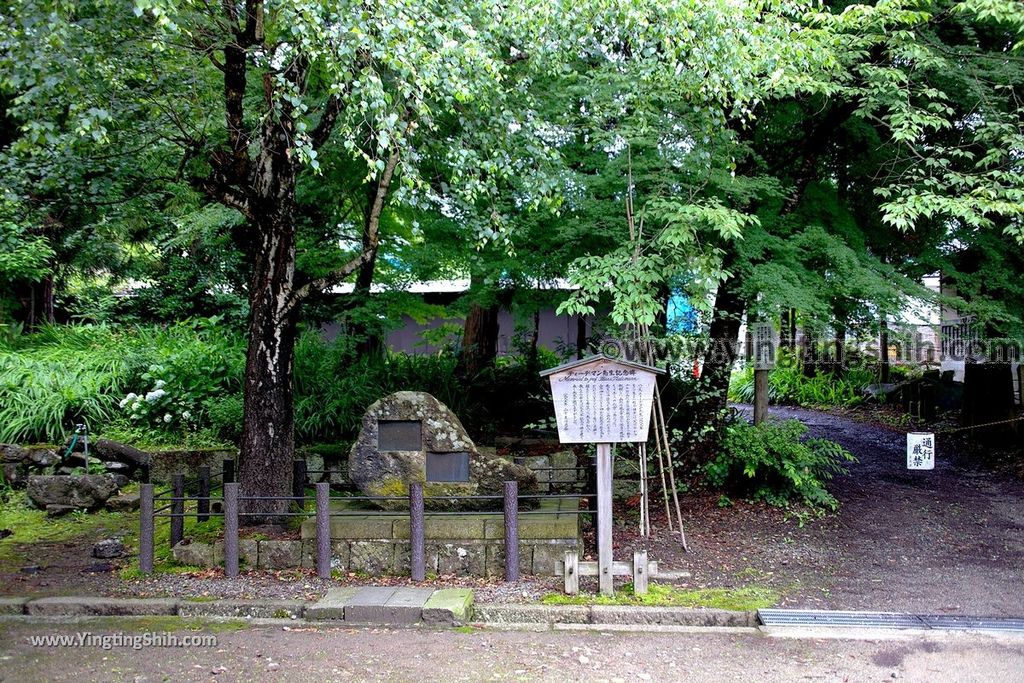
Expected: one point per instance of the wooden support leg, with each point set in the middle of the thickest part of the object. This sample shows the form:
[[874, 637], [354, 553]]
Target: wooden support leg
[[640, 572], [604, 518], [572, 573]]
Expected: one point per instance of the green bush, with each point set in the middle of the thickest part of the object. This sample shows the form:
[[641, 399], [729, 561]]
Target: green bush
[[787, 384], [67, 374], [773, 462]]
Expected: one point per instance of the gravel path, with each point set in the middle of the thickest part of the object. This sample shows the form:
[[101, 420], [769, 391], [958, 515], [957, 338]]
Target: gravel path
[[313, 654], [949, 540]]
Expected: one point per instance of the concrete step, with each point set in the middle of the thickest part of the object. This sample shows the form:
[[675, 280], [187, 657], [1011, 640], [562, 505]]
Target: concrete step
[[388, 605]]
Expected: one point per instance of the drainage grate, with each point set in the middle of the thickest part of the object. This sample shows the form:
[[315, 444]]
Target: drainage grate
[[786, 617]]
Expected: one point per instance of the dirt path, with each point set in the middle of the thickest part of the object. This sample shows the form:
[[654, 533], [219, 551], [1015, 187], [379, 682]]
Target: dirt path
[[944, 541]]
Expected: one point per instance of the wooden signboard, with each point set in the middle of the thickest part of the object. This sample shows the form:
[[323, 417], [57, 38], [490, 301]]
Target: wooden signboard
[[602, 400]]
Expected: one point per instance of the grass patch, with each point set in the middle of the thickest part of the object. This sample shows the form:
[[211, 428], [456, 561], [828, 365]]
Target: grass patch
[[30, 526], [662, 595]]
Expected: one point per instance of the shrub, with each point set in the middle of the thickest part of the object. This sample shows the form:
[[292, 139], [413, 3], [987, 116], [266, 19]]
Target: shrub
[[788, 384], [773, 462], [67, 374]]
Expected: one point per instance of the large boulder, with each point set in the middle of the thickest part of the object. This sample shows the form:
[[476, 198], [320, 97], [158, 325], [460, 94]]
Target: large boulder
[[421, 440], [87, 491]]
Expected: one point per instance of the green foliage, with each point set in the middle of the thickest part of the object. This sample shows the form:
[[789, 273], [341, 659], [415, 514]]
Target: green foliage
[[744, 599], [774, 463], [64, 375], [787, 384]]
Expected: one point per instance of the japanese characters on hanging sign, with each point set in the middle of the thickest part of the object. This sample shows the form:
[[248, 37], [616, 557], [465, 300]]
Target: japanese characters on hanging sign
[[920, 451], [763, 343], [602, 400]]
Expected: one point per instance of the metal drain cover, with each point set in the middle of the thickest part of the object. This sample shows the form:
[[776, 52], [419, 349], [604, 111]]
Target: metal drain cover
[[893, 620]]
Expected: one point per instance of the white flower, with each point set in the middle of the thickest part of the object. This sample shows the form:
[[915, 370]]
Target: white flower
[[187, 415], [160, 384], [155, 394], [167, 417]]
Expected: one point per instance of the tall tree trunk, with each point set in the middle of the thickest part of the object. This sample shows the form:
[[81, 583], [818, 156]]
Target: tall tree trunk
[[479, 341], [268, 432], [883, 351], [721, 353], [267, 446], [581, 336], [370, 342]]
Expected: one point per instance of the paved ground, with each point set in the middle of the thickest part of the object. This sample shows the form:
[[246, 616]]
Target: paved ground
[[418, 655], [944, 541]]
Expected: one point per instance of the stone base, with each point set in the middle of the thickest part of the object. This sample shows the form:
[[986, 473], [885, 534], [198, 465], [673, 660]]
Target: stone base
[[378, 543]]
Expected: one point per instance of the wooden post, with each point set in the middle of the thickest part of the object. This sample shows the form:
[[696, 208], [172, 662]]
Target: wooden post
[[231, 530], [640, 572], [177, 509], [146, 528], [572, 572], [418, 562], [323, 530], [203, 503], [760, 395], [604, 518], [511, 530]]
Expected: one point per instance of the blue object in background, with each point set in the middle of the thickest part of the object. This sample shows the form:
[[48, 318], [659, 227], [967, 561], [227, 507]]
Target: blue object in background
[[681, 316]]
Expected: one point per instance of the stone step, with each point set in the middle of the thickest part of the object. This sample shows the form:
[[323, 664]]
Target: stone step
[[388, 605]]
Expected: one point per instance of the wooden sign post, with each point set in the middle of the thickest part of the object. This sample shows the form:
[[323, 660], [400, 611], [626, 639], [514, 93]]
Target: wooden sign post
[[763, 342], [603, 401]]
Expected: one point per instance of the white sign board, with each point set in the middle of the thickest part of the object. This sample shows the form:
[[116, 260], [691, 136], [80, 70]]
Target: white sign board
[[763, 343], [920, 451], [603, 401]]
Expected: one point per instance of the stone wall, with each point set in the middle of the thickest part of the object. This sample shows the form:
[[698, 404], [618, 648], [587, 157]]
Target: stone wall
[[472, 544]]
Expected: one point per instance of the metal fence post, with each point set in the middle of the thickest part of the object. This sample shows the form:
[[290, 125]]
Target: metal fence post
[[511, 531], [323, 530], [177, 509], [229, 472], [418, 561], [203, 503], [146, 528], [231, 529], [298, 480]]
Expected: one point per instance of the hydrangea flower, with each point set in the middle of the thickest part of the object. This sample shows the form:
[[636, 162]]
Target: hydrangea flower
[[155, 395], [167, 417]]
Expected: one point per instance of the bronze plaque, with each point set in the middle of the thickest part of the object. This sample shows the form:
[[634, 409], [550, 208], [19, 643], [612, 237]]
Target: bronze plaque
[[399, 435], [448, 466]]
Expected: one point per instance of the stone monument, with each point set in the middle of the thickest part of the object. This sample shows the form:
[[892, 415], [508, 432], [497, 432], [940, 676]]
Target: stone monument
[[410, 436]]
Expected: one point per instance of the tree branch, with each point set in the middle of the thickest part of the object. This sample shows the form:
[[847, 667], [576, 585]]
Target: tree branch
[[322, 133]]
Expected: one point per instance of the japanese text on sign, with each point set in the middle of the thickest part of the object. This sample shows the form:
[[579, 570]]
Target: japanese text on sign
[[603, 402]]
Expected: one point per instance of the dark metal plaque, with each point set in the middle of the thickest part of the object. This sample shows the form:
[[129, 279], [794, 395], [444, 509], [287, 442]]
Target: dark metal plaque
[[399, 435], [448, 466]]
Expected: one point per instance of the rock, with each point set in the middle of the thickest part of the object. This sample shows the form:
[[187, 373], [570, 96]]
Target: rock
[[89, 491], [112, 450], [42, 457], [107, 549], [14, 474], [427, 432], [59, 510], [121, 480], [194, 554], [99, 568], [12, 453], [31, 569], [115, 467], [124, 502]]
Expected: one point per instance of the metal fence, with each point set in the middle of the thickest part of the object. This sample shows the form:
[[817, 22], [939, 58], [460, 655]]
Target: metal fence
[[170, 503]]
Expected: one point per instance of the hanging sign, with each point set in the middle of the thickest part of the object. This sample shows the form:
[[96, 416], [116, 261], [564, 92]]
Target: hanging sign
[[920, 451], [602, 400]]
